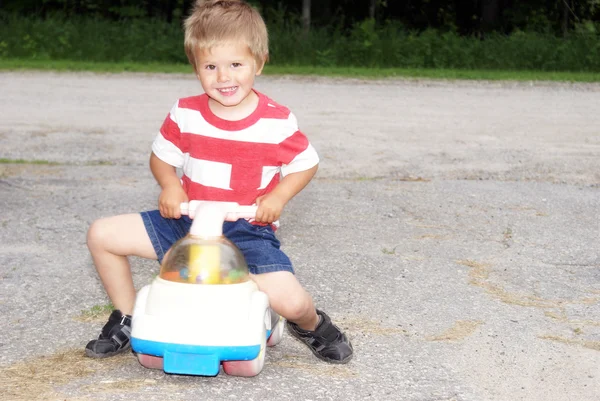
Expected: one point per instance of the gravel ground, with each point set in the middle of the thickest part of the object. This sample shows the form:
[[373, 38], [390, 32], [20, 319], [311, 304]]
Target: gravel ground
[[452, 231]]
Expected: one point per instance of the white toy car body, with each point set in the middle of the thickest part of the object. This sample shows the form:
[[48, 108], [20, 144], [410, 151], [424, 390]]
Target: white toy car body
[[185, 326]]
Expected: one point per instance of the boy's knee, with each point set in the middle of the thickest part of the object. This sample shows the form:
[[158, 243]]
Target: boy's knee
[[295, 308], [97, 234]]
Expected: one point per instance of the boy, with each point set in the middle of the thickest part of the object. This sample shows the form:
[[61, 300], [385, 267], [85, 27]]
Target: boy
[[232, 144]]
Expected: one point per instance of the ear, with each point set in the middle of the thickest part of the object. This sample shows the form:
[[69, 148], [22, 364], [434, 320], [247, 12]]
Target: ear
[[260, 64]]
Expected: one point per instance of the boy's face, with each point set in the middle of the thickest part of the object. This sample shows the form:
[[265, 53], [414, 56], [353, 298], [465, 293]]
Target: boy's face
[[226, 73]]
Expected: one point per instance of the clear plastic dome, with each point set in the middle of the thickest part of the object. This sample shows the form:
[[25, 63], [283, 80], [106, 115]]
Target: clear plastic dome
[[195, 260]]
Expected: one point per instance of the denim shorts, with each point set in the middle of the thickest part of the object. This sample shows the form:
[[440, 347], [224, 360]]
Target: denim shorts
[[258, 244]]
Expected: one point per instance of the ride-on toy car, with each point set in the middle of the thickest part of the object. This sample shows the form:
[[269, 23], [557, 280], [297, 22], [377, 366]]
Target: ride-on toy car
[[203, 310]]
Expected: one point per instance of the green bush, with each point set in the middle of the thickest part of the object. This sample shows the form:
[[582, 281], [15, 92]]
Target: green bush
[[365, 45], [91, 39]]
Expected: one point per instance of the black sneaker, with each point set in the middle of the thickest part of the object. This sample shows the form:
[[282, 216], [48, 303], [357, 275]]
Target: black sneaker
[[114, 339], [327, 342]]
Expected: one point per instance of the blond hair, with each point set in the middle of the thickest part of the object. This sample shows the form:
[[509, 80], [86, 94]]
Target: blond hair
[[214, 22]]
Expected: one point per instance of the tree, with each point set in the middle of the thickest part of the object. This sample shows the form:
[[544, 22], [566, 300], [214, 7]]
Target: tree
[[372, 8], [566, 11], [490, 14], [306, 15]]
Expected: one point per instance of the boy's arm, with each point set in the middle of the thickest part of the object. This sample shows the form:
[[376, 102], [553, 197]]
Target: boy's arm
[[271, 204], [172, 194]]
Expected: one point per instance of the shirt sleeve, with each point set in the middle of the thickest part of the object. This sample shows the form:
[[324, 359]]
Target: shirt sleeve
[[167, 144], [296, 153]]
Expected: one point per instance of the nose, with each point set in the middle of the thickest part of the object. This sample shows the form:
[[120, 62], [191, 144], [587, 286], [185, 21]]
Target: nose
[[222, 75]]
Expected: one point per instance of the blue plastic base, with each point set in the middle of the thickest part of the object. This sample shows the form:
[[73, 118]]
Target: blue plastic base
[[201, 360]]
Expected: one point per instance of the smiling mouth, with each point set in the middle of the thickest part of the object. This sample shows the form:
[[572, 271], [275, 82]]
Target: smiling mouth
[[228, 90]]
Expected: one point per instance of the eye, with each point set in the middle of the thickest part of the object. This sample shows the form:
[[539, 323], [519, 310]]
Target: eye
[[235, 65], [210, 67]]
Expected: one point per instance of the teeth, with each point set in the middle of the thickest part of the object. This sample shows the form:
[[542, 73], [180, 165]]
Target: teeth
[[228, 89]]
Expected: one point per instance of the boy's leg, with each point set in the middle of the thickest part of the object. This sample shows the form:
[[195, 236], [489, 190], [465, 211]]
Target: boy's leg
[[313, 327], [110, 241], [288, 298]]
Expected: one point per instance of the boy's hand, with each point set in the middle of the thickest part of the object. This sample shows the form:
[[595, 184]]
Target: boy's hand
[[269, 208], [170, 200]]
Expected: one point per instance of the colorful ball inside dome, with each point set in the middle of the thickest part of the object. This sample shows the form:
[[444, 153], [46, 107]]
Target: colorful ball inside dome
[[195, 260]]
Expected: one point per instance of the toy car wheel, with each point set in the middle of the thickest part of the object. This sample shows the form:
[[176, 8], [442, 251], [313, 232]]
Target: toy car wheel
[[248, 368], [277, 332], [150, 361]]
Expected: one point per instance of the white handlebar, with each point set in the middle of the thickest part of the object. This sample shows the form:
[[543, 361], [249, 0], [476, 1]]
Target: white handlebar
[[232, 210]]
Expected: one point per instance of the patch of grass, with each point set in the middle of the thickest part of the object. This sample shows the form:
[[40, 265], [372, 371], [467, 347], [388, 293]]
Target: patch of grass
[[38, 378], [51, 163], [595, 345], [389, 251], [101, 67], [97, 312], [23, 161], [100, 163], [412, 179], [444, 74], [278, 70], [364, 178], [459, 331], [507, 237]]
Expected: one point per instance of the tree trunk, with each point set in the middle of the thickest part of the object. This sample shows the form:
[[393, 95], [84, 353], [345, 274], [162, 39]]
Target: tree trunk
[[306, 16], [169, 8], [565, 17], [372, 8], [149, 9], [490, 14]]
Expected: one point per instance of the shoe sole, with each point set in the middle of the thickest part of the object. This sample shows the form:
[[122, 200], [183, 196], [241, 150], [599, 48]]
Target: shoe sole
[[334, 361], [93, 354]]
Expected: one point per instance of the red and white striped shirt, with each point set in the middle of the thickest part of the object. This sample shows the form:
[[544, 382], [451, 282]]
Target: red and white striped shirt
[[232, 161]]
